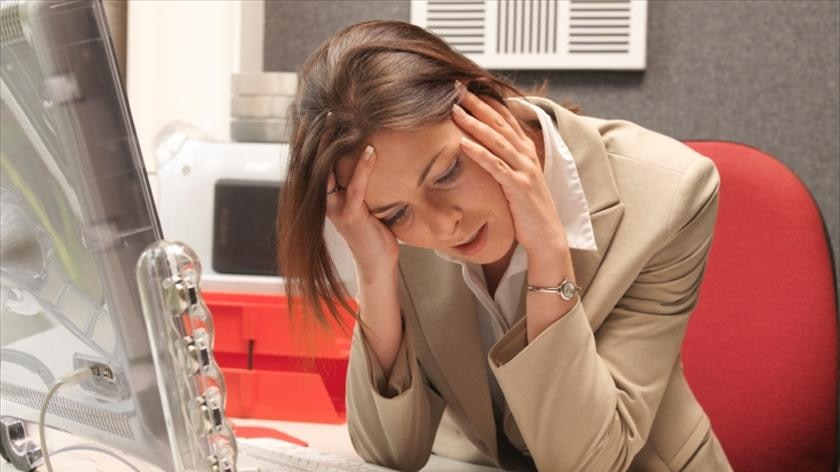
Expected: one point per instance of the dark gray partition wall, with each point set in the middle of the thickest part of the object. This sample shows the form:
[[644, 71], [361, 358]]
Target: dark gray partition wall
[[761, 73]]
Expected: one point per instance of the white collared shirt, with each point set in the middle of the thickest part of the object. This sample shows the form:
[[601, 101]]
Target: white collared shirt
[[497, 314]]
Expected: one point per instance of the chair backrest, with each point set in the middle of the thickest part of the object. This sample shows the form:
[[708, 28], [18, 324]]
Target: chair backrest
[[761, 351]]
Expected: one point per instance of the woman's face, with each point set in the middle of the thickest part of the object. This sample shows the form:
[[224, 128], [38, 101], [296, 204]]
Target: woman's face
[[433, 196]]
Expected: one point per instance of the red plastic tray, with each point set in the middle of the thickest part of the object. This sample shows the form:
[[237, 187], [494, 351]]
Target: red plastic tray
[[296, 372]]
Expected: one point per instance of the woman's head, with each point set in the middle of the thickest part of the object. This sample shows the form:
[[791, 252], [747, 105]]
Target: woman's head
[[431, 195], [389, 84]]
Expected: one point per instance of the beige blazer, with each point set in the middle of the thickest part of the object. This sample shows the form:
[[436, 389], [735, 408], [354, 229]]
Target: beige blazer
[[602, 389]]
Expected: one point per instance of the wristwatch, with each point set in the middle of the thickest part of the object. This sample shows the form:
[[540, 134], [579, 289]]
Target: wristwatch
[[565, 290]]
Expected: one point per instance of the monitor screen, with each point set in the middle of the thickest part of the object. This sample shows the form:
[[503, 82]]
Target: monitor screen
[[75, 214]]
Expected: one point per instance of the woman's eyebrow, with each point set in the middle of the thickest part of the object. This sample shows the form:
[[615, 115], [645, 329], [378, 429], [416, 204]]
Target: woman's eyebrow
[[429, 167], [419, 181]]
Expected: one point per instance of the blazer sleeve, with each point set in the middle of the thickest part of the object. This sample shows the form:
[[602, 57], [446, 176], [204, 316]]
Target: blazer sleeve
[[391, 422], [591, 408]]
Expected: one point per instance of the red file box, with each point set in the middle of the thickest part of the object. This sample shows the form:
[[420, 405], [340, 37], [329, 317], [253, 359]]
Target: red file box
[[276, 369]]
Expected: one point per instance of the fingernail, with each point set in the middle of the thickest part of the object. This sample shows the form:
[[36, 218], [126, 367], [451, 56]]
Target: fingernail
[[368, 154], [458, 111], [460, 90], [466, 142]]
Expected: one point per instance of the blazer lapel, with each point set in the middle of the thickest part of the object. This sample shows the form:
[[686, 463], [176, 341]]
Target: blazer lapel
[[449, 327]]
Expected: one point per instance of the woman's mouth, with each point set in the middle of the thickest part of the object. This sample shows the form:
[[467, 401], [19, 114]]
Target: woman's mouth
[[475, 244]]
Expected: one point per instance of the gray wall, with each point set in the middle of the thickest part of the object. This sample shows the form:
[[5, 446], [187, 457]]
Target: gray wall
[[761, 73]]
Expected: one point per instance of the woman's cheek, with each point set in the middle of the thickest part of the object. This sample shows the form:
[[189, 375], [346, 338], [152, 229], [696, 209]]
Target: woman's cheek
[[475, 175], [483, 186], [404, 237]]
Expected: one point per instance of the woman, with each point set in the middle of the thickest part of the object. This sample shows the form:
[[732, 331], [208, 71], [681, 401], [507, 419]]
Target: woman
[[533, 316]]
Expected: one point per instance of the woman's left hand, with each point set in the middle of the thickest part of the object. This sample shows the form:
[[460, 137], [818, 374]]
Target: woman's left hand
[[502, 149]]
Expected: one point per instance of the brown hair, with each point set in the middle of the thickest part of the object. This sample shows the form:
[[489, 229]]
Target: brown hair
[[372, 75]]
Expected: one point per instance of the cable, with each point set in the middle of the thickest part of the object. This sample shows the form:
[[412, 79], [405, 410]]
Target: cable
[[72, 378], [91, 447]]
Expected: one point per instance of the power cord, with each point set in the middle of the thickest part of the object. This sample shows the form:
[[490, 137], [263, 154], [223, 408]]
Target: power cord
[[73, 378]]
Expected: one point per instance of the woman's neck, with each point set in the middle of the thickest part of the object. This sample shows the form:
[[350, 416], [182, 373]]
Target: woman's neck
[[493, 271]]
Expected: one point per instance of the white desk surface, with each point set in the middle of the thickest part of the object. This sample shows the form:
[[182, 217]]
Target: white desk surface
[[327, 438]]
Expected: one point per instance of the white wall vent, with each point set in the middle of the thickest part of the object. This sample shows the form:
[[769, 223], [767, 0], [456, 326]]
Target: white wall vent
[[540, 34]]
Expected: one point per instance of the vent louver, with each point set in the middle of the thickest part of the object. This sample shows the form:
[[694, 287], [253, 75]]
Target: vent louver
[[540, 34]]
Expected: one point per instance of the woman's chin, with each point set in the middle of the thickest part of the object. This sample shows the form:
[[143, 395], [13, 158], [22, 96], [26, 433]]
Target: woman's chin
[[494, 251], [502, 254]]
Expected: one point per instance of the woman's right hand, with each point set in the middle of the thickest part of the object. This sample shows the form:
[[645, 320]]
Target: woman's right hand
[[373, 245], [376, 252]]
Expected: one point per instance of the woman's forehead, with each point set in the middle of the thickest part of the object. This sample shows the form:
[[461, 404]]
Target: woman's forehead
[[401, 156], [411, 149]]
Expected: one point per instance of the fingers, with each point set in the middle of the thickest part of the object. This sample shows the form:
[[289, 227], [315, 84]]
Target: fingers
[[333, 199], [492, 113], [525, 145], [496, 167], [507, 115], [331, 185], [349, 203], [491, 130], [358, 181], [331, 182]]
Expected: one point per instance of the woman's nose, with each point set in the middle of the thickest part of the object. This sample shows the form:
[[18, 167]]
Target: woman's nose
[[443, 221]]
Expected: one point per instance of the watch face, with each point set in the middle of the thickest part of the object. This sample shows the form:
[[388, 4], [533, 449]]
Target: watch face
[[568, 290]]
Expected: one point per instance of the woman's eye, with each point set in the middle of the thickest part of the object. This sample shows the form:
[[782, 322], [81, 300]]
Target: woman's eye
[[453, 172], [395, 219], [448, 177]]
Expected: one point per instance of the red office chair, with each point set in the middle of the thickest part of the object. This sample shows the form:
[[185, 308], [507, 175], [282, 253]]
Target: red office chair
[[761, 351]]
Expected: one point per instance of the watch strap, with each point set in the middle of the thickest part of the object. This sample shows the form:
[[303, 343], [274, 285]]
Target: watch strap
[[566, 289]]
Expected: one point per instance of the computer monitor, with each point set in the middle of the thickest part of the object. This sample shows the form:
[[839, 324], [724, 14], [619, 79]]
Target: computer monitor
[[75, 214]]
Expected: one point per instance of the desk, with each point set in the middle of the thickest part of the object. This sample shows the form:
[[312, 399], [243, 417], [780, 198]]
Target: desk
[[328, 438]]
